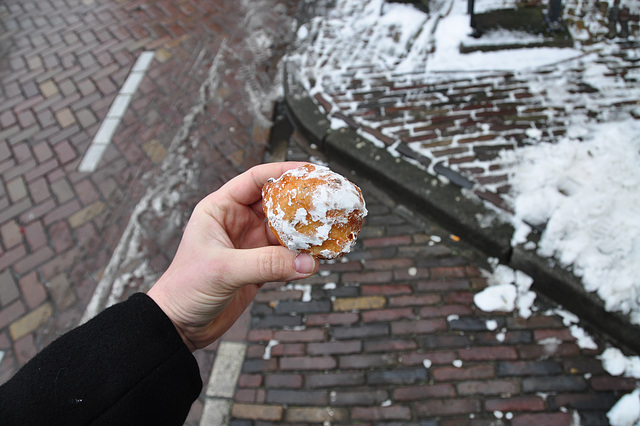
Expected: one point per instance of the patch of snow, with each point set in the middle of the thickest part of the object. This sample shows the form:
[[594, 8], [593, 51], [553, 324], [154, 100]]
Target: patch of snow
[[508, 290], [626, 412], [267, 349], [586, 189]]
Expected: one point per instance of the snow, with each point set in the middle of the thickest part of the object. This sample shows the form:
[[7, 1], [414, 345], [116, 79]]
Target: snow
[[587, 192], [626, 412], [507, 290]]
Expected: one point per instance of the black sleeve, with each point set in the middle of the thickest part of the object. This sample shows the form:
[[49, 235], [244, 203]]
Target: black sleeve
[[128, 365]]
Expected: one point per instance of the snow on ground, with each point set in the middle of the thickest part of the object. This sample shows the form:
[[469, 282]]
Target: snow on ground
[[587, 192]]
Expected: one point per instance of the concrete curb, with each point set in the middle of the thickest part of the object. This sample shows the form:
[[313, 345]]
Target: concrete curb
[[447, 204]]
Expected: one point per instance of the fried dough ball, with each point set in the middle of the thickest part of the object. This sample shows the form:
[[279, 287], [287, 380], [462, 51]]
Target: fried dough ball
[[314, 210]]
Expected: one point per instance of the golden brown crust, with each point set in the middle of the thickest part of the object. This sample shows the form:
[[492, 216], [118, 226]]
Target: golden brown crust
[[312, 209]]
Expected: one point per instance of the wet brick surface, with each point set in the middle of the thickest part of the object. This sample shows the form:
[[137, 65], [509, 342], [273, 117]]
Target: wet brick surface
[[61, 67], [354, 352]]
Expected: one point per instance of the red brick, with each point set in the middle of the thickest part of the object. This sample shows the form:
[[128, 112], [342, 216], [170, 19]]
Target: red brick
[[41, 170], [288, 349], [61, 237], [272, 296], [62, 212], [250, 380], [415, 393], [389, 345], [387, 264], [367, 361], [39, 190], [449, 272], [7, 119], [477, 372], [487, 387], [415, 300], [562, 334], [387, 290], [33, 260], [447, 407], [11, 313], [553, 384], [38, 211], [291, 381], [247, 395], [537, 351], [36, 237], [459, 297], [419, 326], [548, 419], [33, 291], [488, 353], [86, 192], [443, 285], [387, 315], [309, 335], [516, 403], [387, 241], [332, 380], [406, 274], [332, 318], [260, 335], [308, 363], [393, 412], [609, 383], [445, 310], [367, 277], [333, 348], [11, 256]]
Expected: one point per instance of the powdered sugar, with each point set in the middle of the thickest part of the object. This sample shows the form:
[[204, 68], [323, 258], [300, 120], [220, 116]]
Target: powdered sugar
[[331, 203]]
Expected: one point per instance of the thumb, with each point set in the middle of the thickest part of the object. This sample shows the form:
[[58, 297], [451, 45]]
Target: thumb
[[271, 263]]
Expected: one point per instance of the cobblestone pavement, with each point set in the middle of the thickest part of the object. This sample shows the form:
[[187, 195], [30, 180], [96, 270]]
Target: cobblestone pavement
[[390, 335], [347, 346], [199, 116]]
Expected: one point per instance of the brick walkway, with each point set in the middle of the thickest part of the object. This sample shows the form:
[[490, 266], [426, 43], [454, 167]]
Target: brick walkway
[[355, 351], [349, 345], [61, 67]]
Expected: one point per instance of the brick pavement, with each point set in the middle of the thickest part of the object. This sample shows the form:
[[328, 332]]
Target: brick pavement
[[61, 66], [390, 335]]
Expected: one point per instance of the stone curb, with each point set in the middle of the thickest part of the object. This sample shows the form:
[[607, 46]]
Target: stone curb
[[447, 204]]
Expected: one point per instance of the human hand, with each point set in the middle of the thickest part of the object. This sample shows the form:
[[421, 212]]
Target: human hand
[[227, 252]]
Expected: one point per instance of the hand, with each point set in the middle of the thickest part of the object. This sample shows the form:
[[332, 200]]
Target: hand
[[226, 254]]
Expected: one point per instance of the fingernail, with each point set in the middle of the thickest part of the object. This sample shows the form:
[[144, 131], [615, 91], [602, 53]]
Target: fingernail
[[304, 263]]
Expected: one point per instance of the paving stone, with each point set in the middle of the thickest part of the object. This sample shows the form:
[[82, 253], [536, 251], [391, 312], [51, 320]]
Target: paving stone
[[11, 235], [257, 412], [315, 415], [65, 117], [62, 292], [31, 321], [8, 288], [87, 214], [32, 290], [62, 190], [48, 88], [359, 303]]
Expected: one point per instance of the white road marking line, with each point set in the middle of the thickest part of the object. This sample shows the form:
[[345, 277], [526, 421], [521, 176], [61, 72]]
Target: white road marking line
[[222, 383], [116, 112]]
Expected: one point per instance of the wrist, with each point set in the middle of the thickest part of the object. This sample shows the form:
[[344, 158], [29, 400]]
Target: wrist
[[161, 299]]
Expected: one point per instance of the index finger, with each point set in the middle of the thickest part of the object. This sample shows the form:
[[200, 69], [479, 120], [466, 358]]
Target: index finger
[[246, 188]]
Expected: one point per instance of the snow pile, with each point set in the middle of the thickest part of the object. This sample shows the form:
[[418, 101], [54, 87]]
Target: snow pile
[[588, 194], [453, 30], [508, 290], [626, 412]]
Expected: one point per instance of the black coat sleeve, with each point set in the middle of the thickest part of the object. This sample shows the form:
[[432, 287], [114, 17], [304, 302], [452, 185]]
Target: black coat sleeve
[[128, 365]]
